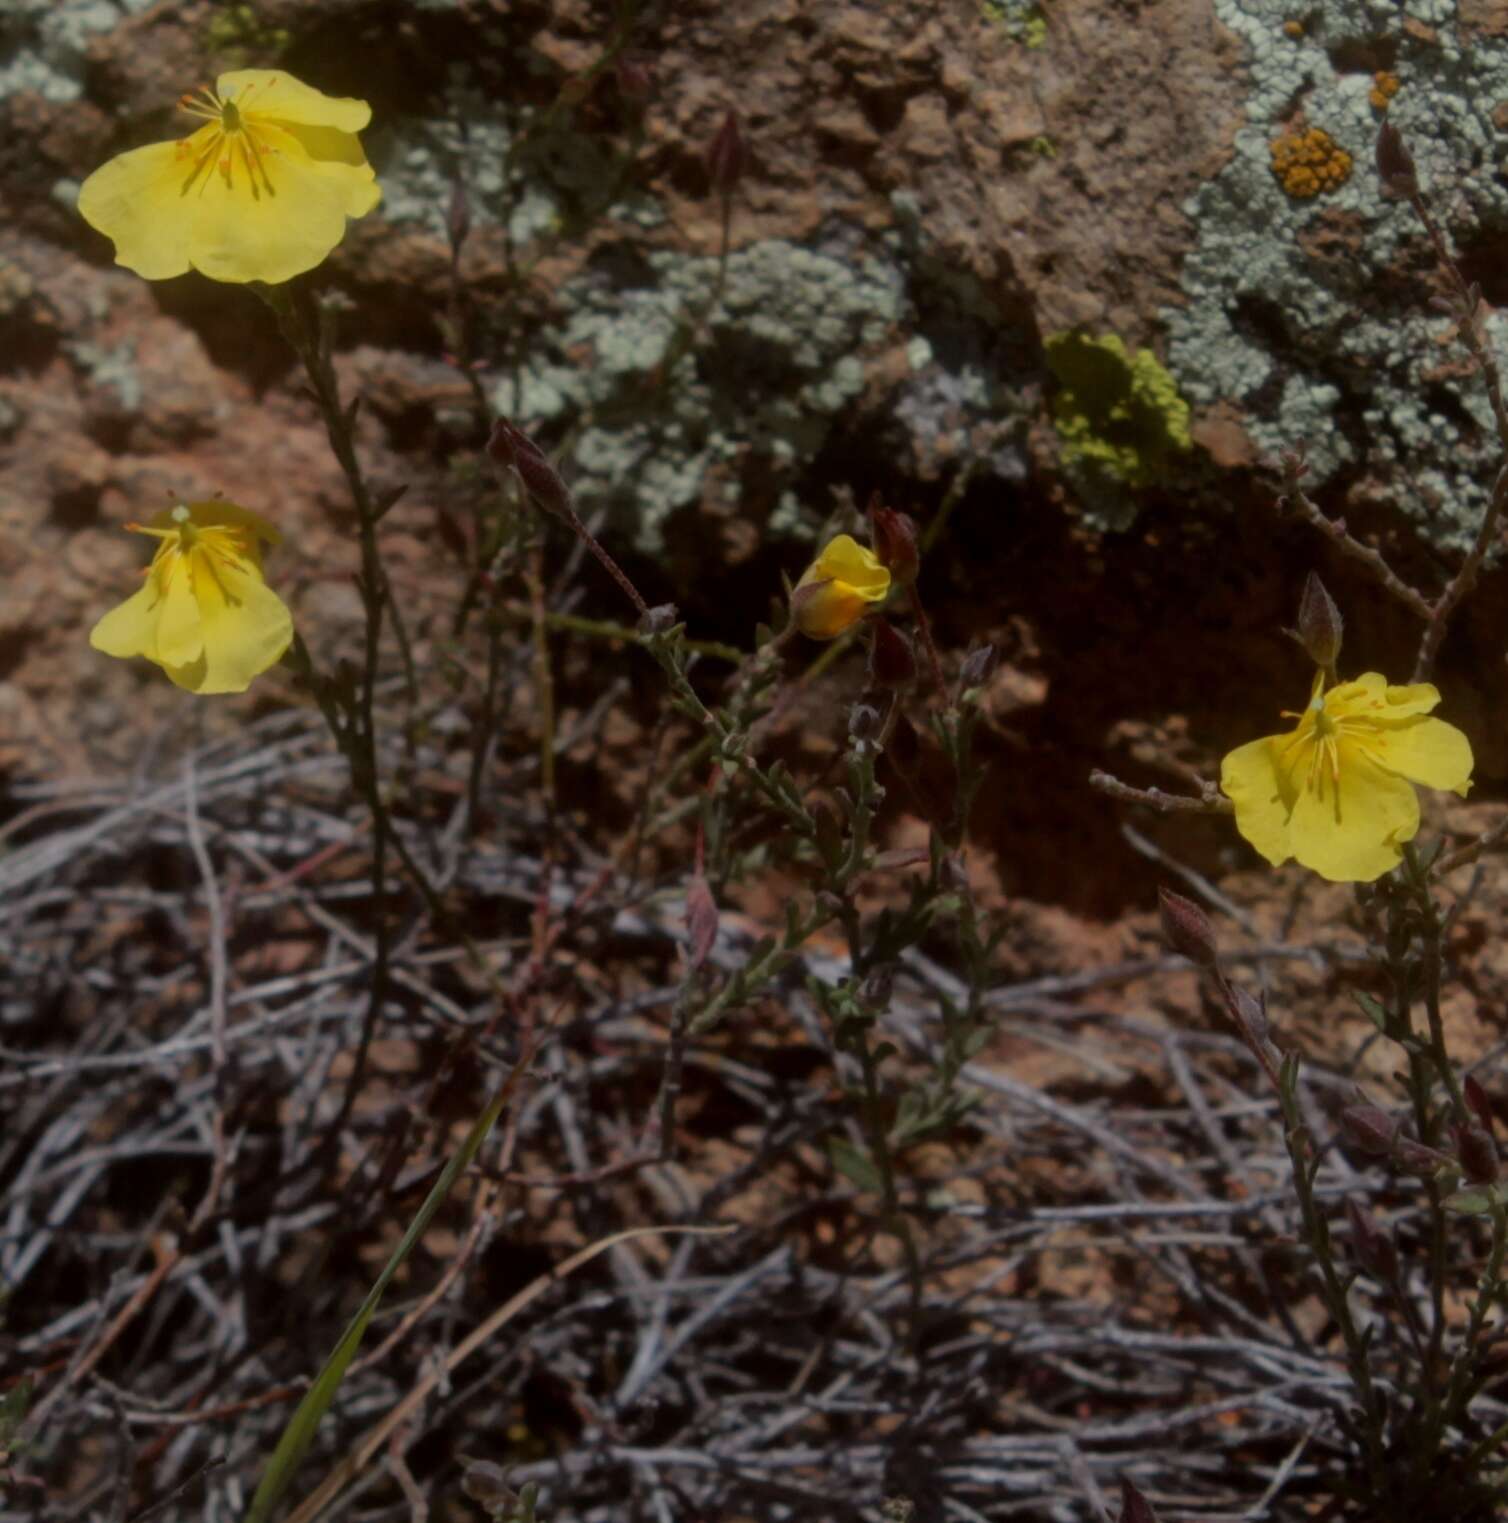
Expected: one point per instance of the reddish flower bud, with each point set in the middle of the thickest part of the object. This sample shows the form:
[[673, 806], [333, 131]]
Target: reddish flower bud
[[1375, 1250], [1135, 1508], [1415, 1158], [1320, 623], [1247, 1011], [894, 538], [515, 451], [458, 216], [1395, 164], [1369, 1128], [891, 663], [1187, 928], [1478, 1153], [635, 75], [726, 156], [701, 919], [905, 748], [1476, 1098]]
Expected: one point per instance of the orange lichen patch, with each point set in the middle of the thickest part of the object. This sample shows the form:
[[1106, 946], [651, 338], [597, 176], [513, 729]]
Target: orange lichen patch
[[1309, 162], [1293, 29], [1384, 88]]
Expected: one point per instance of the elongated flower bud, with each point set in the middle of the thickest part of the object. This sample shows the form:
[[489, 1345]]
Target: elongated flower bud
[[726, 156], [1135, 1508], [458, 216], [515, 451], [1369, 1128], [1187, 928], [1375, 1250], [895, 543], [635, 75], [891, 662], [1320, 624], [1478, 1153], [1395, 164]]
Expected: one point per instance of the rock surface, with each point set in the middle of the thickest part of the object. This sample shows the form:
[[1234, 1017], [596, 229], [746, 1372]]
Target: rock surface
[[933, 194]]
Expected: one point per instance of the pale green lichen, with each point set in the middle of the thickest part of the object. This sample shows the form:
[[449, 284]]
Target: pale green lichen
[[1119, 417], [690, 368], [110, 367], [1298, 338], [44, 43]]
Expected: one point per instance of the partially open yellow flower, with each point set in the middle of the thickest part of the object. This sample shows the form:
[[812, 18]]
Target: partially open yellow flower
[[837, 587], [1337, 791], [260, 192], [205, 615]]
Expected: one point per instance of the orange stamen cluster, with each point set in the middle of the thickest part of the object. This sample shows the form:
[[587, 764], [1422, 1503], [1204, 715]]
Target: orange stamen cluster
[[221, 546], [226, 132]]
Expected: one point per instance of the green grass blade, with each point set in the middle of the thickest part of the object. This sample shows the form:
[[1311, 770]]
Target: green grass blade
[[300, 1430]]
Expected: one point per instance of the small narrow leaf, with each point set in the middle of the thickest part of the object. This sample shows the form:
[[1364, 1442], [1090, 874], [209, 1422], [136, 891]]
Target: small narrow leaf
[[1373, 1010], [701, 919], [854, 1164]]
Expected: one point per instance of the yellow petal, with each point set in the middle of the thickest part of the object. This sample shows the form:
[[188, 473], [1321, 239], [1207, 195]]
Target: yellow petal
[[326, 148], [131, 628], [272, 93], [180, 630], [244, 633], [1373, 695], [844, 559], [1427, 751], [1251, 779], [822, 610], [236, 236], [1352, 832], [137, 200]]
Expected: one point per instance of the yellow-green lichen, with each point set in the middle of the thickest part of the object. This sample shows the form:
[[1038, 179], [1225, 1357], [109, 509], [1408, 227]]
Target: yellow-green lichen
[[1119, 418], [1023, 21], [237, 36]]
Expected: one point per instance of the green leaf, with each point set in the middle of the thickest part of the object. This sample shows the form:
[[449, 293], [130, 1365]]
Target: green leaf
[[1471, 1202], [13, 1408], [1373, 1010], [854, 1163], [975, 1042], [300, 1430]]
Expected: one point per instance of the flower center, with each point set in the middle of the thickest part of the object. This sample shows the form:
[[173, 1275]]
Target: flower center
[[228, 143]]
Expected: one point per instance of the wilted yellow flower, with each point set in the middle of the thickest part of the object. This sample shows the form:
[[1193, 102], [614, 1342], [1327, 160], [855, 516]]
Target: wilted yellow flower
[[260, 192], [1337, 791], [205, 615], [837, 587]]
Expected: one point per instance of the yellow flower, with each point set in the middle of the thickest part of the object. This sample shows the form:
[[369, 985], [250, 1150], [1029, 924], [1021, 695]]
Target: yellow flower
[[837, 587], [260, 192], [205, 615], [1337, 791]]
